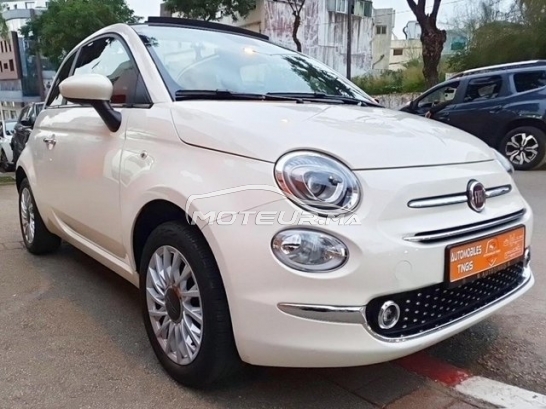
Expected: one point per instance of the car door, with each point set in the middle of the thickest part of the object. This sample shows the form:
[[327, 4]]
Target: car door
[[448, 91], [81, 156], [482, 103]]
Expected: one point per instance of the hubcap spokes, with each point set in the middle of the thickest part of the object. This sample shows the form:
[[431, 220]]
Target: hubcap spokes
[[27, 216], [174, 305], [522, 148]]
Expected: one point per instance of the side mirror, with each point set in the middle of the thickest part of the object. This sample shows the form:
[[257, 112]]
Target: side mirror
[[95, 90]]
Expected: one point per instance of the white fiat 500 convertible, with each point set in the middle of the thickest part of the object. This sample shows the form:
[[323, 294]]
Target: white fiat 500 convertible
[[269, 211]]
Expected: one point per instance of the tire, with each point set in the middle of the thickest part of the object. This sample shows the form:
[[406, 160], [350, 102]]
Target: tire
[[6, 167], [525, 147], [38, 240], [216, 357]]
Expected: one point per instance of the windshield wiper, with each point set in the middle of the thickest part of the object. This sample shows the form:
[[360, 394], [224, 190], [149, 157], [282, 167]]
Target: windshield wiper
[[309, 96], [224, 95]]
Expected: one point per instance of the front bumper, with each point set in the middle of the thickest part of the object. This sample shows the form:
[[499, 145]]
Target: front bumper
[[283, 317]]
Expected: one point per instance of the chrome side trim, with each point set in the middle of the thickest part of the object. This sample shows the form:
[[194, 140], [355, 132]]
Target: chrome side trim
[[460, 231], [527, 274], [456, 198], [328, 313]]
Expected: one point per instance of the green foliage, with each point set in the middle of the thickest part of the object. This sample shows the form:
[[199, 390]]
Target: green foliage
[[211, 10], [408, 80], [498, 38], [67, 22]]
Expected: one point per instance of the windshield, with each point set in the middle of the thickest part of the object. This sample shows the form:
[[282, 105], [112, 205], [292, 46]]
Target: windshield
[[194, 59]]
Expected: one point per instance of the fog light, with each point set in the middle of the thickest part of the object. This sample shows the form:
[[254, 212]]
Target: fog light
[[527, 257], [309, 251], [389, 314]]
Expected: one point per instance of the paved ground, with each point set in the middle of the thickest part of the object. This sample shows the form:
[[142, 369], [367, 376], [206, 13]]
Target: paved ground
[[71, 336]]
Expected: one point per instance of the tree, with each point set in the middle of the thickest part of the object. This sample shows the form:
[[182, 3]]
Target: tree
[[500, 34], [65, 23], [297, 7], [4, 30], [211, 10], [432, 38]]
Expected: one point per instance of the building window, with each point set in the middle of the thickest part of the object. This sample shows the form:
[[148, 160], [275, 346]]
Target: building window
[[381, 29], [29, 5], [6, 66], [361, 8], [15, 7], [11, 66], [9, 45], [398, 51]]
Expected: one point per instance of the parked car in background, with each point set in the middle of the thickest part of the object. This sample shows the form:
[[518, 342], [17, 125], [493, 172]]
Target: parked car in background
[[359, 234], [24, 126], [6, 154], [505, 106]]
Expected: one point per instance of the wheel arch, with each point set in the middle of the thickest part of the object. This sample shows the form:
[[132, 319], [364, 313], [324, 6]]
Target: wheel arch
[[20, 175], [151, 215]]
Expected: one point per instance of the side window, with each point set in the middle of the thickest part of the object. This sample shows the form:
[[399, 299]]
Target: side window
[[527, 81], [108, 57], [55, 98], [485, 88], [24, 114], [440, 95]]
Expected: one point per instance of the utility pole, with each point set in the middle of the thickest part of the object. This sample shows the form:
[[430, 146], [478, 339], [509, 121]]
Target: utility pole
[[349, 36]]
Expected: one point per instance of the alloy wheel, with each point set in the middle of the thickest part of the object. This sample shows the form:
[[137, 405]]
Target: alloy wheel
[[27, 215], [522, 148], [174, 305]]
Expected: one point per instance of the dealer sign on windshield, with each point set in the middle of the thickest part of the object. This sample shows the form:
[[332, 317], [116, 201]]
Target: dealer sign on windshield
[[483, 257]]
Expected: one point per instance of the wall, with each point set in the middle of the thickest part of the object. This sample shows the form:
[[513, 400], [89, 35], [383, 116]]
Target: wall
[[396, 101], [381, 44], [411, 49], [8, 59]]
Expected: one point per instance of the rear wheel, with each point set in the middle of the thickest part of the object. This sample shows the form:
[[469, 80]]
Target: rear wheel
[[525, 147], [184, 306], [37, 238]]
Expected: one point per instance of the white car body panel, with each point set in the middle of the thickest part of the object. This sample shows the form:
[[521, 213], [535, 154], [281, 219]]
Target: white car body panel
[[92, 185], [267, 131]]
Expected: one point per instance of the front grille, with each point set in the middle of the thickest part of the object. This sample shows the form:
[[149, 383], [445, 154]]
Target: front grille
[[432, 307]]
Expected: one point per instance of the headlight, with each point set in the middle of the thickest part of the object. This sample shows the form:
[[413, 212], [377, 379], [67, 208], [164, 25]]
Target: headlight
[[318, 183], [309, 251], [506, 164]]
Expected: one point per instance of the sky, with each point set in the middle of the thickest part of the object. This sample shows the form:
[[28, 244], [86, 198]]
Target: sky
[[448, 9], [145, 8], [403, 13]]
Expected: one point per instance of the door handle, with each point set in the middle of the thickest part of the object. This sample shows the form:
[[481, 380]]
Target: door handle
[[50, 140]]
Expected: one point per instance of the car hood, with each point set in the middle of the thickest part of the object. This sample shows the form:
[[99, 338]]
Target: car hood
[[362, 137]]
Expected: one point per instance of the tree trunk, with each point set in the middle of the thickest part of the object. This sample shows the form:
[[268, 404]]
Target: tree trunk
[[433, 40], [297, 23]]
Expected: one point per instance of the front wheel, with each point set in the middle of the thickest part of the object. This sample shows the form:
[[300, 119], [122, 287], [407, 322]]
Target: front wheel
[[185, 308], [37, 238], [525, 147]]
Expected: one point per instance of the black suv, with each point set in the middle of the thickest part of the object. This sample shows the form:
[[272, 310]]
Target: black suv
[[505, 106], [23, 128]]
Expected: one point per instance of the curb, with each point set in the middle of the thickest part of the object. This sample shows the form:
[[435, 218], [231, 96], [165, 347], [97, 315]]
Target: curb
[[483, 389]]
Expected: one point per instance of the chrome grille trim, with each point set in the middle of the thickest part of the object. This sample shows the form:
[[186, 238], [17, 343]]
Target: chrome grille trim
[[463, 230], [456, 198]]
